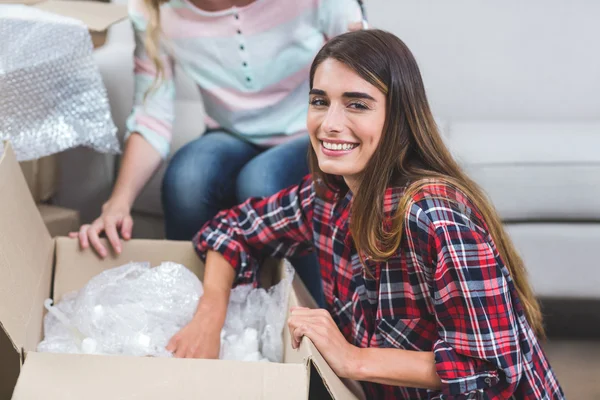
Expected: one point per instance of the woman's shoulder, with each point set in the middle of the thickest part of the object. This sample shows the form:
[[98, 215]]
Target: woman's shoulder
[[439, 202]]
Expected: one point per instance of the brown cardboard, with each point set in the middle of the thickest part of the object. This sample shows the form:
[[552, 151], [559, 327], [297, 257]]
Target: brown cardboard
[[26, 257], [26, 266], [59, 221], [42, 177], [114, 377], [97, 16]]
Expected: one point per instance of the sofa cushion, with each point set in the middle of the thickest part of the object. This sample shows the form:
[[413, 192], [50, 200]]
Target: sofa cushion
[[560, 258], [533, 170]]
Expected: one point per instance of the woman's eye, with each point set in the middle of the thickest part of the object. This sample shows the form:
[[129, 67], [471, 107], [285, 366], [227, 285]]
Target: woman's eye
[[358, 106], [318, 102]]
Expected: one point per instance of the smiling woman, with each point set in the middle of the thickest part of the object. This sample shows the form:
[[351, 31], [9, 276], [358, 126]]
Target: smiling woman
[[345, 126], [425, 295]]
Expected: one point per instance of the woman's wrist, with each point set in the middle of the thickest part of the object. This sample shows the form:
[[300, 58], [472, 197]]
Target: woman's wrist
[[119, 200], [212, 307], [355, 366]]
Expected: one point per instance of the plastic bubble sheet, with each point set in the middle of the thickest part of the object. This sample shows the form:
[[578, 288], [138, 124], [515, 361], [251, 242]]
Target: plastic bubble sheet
[[52, 95], [135, 310]]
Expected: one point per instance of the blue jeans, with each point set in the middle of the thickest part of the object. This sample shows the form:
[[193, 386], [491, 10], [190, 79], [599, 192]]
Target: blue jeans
[[218, 171]]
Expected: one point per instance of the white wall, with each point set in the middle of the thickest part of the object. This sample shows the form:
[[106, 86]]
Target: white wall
[[502, 59]]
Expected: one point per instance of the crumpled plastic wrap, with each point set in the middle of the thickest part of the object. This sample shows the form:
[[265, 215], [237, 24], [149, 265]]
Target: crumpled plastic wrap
[[129, 310], [255, 321], [135, 310], [52, 97]]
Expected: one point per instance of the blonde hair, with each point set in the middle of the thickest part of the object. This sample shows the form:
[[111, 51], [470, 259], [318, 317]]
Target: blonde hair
[[152, 42]]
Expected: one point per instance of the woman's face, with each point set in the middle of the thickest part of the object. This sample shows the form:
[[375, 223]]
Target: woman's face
[[345, 120]]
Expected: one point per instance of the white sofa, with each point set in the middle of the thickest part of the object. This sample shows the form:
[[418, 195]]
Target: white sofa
[[515, 87]]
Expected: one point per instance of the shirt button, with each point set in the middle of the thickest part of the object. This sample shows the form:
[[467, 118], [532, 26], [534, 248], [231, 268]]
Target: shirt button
[[248, 79], [241, 47], [245, 64], [236, 16], [239, 32]]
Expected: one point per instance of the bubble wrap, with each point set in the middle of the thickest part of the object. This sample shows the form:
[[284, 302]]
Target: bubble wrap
[[135, 310], [129, 310], [52, 95], [255, 321]]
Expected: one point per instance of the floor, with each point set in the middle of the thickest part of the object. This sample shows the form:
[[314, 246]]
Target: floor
[[577, 365]]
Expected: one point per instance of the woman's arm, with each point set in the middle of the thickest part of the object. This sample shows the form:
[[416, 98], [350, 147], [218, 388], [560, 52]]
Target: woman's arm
[[478, 350], [233, 245], [396, 367], [380, 365], [278, 226], [140, 161], [201, 337]]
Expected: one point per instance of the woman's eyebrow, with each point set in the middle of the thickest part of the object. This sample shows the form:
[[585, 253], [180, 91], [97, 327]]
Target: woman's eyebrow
[[358, 95], [351, 95]]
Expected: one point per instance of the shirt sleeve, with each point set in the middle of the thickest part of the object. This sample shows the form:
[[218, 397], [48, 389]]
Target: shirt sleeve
[[336, 15], [278, 226], [152, 116], [478, 353]]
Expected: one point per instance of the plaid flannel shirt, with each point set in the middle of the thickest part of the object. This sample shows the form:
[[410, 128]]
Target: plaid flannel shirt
[[445, 289]]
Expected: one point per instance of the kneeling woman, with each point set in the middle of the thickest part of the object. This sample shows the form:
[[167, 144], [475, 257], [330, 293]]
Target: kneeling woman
[[426, 296]]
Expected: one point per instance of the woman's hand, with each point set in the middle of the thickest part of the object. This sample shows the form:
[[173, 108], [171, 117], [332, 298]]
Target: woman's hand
[[201, 338], [115, 219], [318, 326]]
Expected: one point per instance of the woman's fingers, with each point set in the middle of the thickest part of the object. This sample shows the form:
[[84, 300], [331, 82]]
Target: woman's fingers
[[127, 227], [110, 227], [83, 236], [94, 239]]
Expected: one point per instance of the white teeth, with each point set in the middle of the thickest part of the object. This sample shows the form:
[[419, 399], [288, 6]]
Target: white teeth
[[338, 146]]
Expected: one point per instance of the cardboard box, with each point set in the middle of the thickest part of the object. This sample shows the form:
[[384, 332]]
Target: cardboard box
[[96, 15], [34, 266], [59, 221], [42, 177]]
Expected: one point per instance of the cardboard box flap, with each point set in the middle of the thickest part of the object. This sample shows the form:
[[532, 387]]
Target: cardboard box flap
[[25, 2], [66, 376], [338, 389], [26, 257], [95, 15], [74, 267], [308, 353]]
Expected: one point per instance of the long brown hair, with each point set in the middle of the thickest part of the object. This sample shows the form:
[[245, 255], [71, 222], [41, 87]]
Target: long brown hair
[[411, 152]]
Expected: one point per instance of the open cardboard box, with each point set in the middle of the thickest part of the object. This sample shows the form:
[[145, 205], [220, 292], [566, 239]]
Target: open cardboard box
[[34, 266], [97, 16]]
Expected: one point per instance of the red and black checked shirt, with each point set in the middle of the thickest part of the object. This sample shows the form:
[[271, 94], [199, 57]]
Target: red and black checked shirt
[[445, 290]]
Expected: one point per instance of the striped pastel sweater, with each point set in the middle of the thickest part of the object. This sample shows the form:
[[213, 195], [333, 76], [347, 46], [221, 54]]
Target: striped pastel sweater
[[251, 65]]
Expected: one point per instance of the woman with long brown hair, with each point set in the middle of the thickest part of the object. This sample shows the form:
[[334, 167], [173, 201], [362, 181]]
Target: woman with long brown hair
[[426, 296]]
